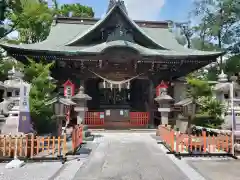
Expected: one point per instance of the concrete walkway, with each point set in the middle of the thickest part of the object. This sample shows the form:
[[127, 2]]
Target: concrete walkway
[[128, 156], [217, 169]]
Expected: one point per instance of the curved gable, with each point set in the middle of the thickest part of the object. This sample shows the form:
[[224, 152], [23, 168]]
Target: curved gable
[[109, 26]]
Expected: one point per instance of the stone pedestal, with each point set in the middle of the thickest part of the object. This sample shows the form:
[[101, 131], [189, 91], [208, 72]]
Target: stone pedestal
[[182, 124], [81, 104], [164, 105]]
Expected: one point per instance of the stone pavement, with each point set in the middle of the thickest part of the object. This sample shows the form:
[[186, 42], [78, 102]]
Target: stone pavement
[[49, 170], [128, 156], [125, 155], [31, 171], [217, 169]]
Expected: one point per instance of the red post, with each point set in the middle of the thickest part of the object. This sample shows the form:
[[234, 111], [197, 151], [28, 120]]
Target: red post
[[204, 141], [172, 139]]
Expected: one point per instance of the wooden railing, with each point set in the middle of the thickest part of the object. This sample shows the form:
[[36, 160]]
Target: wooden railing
[[30, 146], [94, 118], [182, 143], [139, 118], [77, 137]]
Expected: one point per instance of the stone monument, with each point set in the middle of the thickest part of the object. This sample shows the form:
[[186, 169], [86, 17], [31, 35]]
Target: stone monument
[[15, 105]]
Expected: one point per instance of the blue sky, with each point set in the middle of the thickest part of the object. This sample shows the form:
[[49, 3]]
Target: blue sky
[[176, 10]]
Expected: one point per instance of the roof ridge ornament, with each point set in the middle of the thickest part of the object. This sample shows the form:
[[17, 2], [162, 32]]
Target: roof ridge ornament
[[111, 4], [119, 3]]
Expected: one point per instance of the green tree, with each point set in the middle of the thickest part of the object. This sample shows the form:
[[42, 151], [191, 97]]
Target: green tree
[[196, 90], [232, 65], [186, 31], [213, 107], [218, 21], [210, 113], [42, 89], [74, 10], [32, 19]]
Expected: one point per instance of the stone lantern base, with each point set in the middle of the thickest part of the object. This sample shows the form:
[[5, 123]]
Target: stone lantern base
[[182, 124]]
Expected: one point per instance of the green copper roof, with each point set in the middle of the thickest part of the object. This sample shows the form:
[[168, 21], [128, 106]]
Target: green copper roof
[[100, 48], [64, 35], [116, 7]]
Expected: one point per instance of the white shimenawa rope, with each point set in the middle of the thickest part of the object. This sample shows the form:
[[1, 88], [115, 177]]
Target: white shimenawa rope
[[119, 83]]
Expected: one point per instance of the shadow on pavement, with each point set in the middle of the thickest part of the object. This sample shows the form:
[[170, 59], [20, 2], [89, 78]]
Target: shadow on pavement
[[84, 150]]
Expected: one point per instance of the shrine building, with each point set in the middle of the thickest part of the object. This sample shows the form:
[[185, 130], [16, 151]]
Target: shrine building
[[119, 61]]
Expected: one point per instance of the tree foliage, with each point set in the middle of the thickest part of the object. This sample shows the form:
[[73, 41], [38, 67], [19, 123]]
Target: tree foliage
[[33, 18], [217, 28], [210, 109], [75, 10], [42, 89], [198, 88]]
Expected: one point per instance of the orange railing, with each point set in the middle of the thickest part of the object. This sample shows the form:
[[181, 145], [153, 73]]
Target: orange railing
[[139, 118], [181, 143], [94, 118], [77, 137], [29, 146]]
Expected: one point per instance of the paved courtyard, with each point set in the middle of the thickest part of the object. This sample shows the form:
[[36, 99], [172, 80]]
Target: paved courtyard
[[217, 169], [128, 156]]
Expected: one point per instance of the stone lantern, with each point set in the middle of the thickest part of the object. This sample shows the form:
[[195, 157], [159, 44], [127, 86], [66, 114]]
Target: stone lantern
[[59, 105], [81, 104], [164, 104]]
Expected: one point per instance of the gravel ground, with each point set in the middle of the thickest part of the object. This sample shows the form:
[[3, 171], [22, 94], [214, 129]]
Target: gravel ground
[[128, 156]]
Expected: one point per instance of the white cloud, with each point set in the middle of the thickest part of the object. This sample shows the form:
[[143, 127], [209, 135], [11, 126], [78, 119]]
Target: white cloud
[[144, 9]]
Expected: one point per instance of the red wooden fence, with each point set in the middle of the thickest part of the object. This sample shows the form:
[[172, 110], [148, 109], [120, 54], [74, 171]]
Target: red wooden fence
[[94, 118], [139, 118], [135, 118], [77, 137], [179, 142]]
